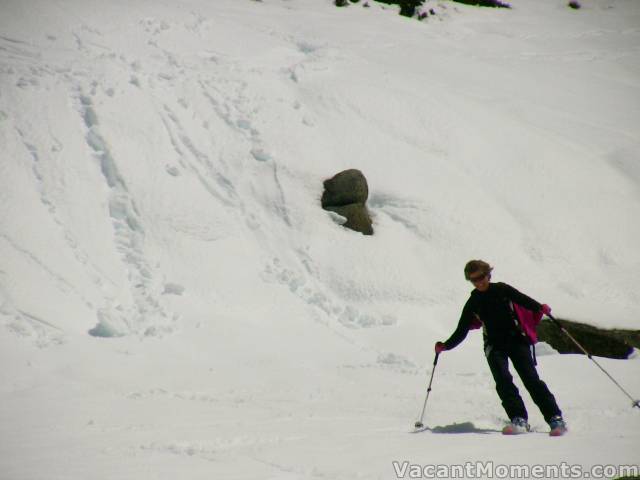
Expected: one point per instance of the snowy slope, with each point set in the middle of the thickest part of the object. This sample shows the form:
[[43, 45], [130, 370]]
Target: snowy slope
[[173, 301]]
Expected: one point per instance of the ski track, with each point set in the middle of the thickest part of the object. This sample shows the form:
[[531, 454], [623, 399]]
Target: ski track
[[229, 195], [402, 211], [148, 316], [48, 193], [62, 283], [313, 293]]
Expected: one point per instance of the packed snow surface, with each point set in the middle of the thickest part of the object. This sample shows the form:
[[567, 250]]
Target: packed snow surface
[[174, 303]]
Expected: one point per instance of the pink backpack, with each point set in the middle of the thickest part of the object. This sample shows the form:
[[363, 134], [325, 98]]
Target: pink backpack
[[527, 320]]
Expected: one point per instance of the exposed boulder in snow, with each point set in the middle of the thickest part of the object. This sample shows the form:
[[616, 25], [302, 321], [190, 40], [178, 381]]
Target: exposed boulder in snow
[[599, 342], [357, 216], [344, 188], [346, 194], [485, 3], [407, 7]]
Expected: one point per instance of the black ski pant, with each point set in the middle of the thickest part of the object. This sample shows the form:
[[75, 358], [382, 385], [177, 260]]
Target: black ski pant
[[522, 359]]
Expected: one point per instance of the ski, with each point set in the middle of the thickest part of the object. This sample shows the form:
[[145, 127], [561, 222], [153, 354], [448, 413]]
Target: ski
[[513, 430], [558, 431], [517, 426]]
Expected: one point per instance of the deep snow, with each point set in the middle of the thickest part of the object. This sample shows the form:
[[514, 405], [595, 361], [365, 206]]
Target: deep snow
[[175, 304]]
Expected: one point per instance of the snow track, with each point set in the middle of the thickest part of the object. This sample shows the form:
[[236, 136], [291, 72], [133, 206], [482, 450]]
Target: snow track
[[145, 314]]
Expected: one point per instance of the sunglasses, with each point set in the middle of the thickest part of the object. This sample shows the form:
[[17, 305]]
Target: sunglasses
[[478, 278]]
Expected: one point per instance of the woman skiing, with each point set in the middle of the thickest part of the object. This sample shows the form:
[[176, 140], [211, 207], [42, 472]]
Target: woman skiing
[[504, 340]]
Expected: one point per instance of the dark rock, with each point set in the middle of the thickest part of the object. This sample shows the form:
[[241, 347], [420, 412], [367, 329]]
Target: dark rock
[[631, 337], [341, 3], [346, 194], [344, 188], [575, 5], [596, 341], [407, 7], [485, 3], [357, 215]]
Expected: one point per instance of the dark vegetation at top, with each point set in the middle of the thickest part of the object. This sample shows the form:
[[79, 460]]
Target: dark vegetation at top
[[410, 8]]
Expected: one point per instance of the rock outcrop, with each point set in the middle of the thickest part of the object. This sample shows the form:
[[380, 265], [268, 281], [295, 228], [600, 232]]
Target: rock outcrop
[[346, 194], [597, 341]]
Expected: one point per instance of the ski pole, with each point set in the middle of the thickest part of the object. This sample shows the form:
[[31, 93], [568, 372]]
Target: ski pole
[[419, 424], [635, 403]]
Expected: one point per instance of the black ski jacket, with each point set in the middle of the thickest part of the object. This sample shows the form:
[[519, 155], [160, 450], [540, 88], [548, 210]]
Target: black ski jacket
[[492, 308]]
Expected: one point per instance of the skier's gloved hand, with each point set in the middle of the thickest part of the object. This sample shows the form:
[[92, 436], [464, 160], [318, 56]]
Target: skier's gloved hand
[[440, 347], [546, 309]]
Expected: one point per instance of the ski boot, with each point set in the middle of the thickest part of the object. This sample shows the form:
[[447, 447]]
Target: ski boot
[[516, 426], [557, 426]]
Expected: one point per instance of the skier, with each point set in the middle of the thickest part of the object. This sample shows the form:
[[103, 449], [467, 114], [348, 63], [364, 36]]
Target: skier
[[504, 339]]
